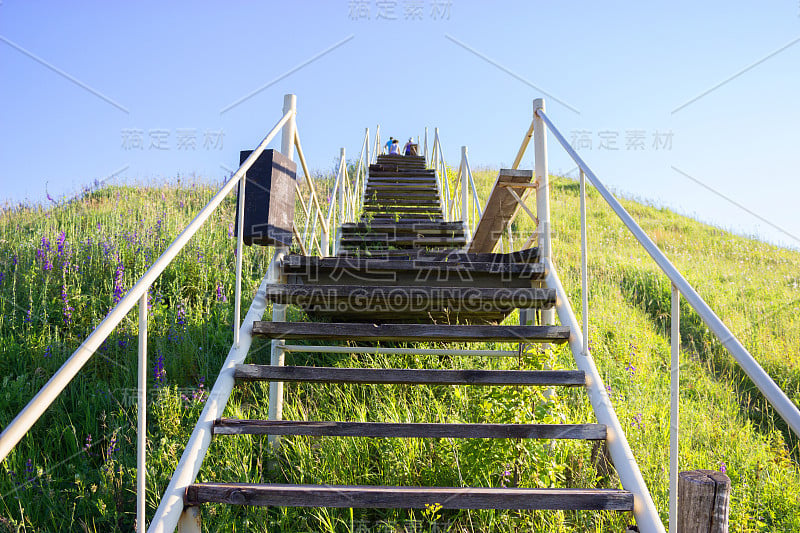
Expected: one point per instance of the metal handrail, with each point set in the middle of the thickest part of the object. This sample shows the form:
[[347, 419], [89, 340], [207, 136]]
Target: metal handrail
[[23, 422], [777, 398]]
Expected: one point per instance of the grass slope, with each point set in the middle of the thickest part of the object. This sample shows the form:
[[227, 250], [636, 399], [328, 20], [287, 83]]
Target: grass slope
[[61, 270]]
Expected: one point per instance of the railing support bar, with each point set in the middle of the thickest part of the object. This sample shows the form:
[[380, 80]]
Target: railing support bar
[[237, 299], [674, 416], [141, 431], [542, 190], [584, 268], [776, 397], [12, 433]]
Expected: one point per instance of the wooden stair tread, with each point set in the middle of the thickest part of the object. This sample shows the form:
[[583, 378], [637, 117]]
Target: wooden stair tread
[[410, 376], [300, 264], [529, 255], [418, 430], [383, 497], [456, 298], [407, 240], [412, 333]]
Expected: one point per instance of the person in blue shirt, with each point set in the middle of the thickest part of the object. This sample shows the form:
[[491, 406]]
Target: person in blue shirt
[[389, 145]]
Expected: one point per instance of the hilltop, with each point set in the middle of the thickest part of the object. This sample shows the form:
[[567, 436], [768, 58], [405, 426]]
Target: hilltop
[[61, 269]]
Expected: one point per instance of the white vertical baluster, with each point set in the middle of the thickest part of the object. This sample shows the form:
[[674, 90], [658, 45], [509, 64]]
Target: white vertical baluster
[[675, 341], [141, 432]]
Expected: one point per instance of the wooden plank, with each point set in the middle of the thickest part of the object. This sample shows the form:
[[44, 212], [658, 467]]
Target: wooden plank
[[233, 426], [380, 497], [452, 226], [405, 332], [411, 240], [300, 264], [410, 298], [409, 376], [500, 209], [529, 255]]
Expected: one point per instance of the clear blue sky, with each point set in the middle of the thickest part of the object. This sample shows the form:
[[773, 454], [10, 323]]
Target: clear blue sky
[[162, 72]]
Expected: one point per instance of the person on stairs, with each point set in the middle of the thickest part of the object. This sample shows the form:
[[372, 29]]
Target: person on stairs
[[395, 148], [389, 145], [410, 148]]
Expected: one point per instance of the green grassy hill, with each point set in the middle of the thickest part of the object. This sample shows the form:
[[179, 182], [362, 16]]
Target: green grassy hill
[[62, 269]]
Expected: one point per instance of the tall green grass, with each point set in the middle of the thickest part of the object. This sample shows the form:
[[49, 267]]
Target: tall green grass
[[76, 469]]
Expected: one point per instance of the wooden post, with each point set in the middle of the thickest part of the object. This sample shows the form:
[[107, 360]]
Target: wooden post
[[703, 501]]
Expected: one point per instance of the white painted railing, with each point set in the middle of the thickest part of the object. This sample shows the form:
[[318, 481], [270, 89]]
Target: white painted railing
[[457, 193], [169, 511], [646, 514]]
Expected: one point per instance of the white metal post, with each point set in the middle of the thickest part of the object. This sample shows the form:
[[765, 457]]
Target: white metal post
[[141, 432], [378, 148], [276, 276], [342, 185], [276, 350], [290, 128], [584, 268], [542, 192], [237, 298], [426, 143], [675, 341], [464, 186]]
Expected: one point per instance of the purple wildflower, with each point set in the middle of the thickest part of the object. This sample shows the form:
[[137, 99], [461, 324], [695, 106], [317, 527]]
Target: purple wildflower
[[181, 318], [637, 421], [50, 198], [2, 275], [47, 352], [14, 260], [220, 293], [230, 229], [118, 288], [631, 369], [87, 445], [723, 467], [608, 390], [159, 373], [68, 309], [62, 238]]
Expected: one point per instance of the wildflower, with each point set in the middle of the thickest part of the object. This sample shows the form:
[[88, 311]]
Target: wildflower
[[47, 351], [230, 229], [631, 369], [50, 198], [68, 309], [637, 421], [118, 288], [62, 238], [181, 318], [723, 467], [159, 373], [2, 275], [14, 260], [220, 293], [87, 445], [608, 390]]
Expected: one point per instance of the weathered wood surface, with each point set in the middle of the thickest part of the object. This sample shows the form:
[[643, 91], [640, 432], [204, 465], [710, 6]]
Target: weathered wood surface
[[233, 426], [293, 264], [703, 501], [410, 376], [413, 241], [500, 209], [412, 333], [347, 496], [409, 297]]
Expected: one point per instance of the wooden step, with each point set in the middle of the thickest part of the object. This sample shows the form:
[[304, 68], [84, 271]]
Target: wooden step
[[233, 426], [405, 332], [529, 255], [424, 226], [408, 376], [381, 497], [410, 298], [413, 241], [418, 270]]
